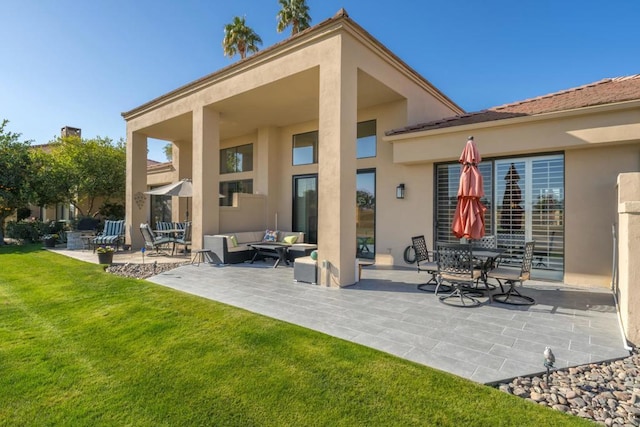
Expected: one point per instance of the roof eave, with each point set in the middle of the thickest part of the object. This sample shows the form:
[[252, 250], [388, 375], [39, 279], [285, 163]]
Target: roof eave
[[340, 21], [593, 109]]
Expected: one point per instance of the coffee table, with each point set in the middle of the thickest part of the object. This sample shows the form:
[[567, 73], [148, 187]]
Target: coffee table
[[271, 250]]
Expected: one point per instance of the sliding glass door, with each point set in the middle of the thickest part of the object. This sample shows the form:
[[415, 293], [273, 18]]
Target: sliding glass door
[[305, 206], [366, 214], [524, 197]]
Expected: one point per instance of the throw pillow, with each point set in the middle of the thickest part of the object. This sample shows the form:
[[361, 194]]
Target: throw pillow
[[270, 236], [234, 240], [290, 239]]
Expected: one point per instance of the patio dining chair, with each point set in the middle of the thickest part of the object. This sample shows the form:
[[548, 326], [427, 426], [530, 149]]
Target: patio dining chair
[[511, 276], [183, 238], [151, 241], [456, 267], [424, 263]]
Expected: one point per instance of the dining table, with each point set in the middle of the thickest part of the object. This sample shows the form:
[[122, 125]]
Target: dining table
[[487, 258]]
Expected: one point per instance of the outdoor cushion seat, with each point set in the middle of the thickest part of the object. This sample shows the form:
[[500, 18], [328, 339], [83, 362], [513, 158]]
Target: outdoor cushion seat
[[111, 235], [233, 248]]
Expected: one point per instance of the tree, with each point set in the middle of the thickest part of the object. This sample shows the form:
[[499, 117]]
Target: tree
[[238, 38], [294, 13], [81, 173], [15, 166]]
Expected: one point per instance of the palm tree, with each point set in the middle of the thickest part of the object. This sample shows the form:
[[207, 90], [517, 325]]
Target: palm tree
[[238, 38], [294, 13]]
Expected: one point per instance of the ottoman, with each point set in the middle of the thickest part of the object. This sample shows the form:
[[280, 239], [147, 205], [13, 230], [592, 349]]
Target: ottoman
[[305, 269]]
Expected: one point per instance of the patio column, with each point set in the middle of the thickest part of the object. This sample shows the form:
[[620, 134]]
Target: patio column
[[266, 156], [205, 213], [337, 171], [136, 202], [181, 156], [628, 283]]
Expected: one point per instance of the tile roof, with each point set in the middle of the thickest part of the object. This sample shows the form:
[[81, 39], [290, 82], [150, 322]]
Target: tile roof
[[606, 91]]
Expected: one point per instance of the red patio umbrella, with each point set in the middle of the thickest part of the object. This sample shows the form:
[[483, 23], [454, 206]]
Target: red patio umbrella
[[468, 220]]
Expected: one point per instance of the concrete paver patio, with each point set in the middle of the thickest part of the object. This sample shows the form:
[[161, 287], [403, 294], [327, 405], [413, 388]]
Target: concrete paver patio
[[385, 311]]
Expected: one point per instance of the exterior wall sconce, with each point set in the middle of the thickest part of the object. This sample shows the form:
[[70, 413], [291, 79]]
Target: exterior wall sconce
[[400, 191]]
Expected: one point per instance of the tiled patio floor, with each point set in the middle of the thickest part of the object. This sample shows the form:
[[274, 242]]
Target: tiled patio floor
[[386, 311]]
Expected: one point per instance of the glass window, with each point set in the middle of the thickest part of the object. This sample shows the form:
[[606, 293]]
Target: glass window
[[236, 159], [366, 214], [366, 144], [529, 205], [305, 148], [227, 188]]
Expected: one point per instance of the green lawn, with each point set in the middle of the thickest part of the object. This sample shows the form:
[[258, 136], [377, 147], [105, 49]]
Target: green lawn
[[79, 346]]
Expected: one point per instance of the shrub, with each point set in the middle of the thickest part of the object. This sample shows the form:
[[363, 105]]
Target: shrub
[[27, 230]]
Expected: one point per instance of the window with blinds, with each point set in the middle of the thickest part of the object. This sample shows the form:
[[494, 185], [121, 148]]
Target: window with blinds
[[529, 205]]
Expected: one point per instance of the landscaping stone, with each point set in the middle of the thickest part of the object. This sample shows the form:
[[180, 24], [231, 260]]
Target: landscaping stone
[[607, 393]]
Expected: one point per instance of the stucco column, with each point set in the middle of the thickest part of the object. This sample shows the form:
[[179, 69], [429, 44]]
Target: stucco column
[[181, 156], [629, 254], [205, 212], [337, 173], [266, 155], [137, 203]]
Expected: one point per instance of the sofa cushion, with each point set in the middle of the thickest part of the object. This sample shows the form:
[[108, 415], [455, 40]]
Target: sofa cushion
[[290, 239], [246, 237], [270, 236], [299, 235]]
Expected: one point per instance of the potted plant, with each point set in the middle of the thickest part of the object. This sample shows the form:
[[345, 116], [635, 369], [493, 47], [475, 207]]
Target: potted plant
[[50, 240], [105, 254]]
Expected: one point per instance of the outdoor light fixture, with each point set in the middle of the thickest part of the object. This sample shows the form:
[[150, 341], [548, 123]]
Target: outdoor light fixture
[[400, 191]]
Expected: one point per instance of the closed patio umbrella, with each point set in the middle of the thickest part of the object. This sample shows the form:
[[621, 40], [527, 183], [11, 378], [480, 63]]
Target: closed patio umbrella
[[468, 219]]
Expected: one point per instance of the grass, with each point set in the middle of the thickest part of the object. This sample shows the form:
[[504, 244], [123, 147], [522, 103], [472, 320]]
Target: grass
[[79, 346]]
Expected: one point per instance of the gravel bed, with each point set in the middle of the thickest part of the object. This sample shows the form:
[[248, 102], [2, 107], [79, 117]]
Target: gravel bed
[[142, 271], [607, 393]]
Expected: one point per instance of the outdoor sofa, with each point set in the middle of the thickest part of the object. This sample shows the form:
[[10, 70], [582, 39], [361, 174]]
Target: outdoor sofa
[[233, 248]]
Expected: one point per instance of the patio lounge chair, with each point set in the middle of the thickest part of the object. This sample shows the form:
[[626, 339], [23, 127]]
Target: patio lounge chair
[[152, 242], [425, 264], [111, 235], [455, 266], [512, 276]]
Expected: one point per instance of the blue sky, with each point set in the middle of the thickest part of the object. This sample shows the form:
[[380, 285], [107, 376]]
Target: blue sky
[[82, 63]]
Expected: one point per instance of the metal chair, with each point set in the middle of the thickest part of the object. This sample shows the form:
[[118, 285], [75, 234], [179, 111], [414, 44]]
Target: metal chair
[[184, 238], [425, 264], [456, 266], [485, 242], [152, 242], [512, 276]]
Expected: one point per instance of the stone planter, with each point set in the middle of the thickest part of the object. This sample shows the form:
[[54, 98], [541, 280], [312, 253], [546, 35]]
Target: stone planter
[[49, 243], [105, 258]]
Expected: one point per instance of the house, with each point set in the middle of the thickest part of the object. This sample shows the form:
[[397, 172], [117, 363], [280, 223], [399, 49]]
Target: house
[[330, 133]]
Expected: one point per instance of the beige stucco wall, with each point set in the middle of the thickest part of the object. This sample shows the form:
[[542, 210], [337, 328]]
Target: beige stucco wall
[[353, 78], [628, 283], [598, 144]]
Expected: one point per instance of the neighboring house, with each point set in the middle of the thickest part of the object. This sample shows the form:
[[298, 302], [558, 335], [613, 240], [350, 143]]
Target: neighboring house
[[326, 117]]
